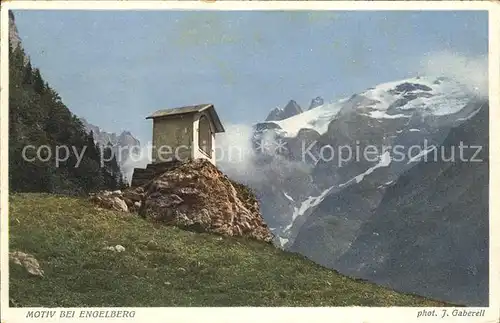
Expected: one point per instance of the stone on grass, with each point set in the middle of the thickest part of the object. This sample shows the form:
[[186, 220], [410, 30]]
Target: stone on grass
[[27, 261]]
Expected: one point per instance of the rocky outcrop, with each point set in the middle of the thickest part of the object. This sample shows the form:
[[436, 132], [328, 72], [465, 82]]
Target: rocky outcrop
[[196, 196], [129, 200], [110, 200], [14, 38], [316, 102]]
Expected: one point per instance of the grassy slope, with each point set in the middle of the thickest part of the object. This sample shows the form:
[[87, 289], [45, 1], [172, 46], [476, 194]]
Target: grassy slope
[[164, 266]]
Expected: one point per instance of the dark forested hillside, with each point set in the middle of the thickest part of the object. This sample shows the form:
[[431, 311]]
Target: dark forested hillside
[[38, 118]]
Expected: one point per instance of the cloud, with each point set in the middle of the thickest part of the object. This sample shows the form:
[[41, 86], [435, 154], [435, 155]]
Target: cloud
[[234, 152], [139, 159], [239, 159], [472, 71]]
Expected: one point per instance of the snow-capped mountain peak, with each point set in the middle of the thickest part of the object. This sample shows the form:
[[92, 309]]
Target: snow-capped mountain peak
[[436, 96], [400, 113]]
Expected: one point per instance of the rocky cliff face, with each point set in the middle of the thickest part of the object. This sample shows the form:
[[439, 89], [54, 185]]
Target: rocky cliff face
[[291, 109], [316, 102], [14, 38]]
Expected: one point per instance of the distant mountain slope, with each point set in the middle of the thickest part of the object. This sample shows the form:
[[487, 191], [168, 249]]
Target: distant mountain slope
[[125, 142], [105, 138], [433, 219]]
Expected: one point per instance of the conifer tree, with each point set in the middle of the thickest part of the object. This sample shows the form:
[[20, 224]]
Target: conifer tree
[[28, 74], [38, 83]]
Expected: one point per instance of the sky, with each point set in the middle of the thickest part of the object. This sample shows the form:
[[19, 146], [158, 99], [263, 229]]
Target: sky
[[115, 68]]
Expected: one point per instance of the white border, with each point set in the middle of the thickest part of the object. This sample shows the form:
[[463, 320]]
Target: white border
[[275, 315], [251, 5]]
